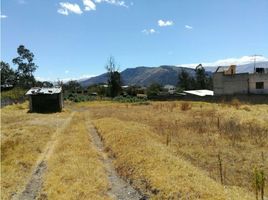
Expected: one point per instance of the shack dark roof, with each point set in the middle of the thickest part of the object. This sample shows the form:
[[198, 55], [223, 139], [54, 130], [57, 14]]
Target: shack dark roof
[[38, 91]]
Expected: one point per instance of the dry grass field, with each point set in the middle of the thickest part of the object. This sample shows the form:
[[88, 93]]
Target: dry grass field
[[73, 169], [226, 141], [166, 150], [23, 139]]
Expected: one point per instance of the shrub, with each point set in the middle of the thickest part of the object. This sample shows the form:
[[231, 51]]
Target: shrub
[[235, 103], [14, 94], [186, 106], [129, 99]]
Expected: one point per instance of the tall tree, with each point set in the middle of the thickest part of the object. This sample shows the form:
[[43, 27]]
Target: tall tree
[[114, 79], [26, 67], [7, 74], [184, 80], [201, 78]]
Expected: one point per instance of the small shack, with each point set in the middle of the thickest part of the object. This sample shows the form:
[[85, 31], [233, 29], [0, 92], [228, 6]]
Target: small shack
[[45, 99]]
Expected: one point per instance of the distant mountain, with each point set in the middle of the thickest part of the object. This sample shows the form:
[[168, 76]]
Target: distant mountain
[[165, 74], [144, 76]]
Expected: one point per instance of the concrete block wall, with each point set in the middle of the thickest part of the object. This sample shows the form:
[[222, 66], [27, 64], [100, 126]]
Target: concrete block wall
[[253, 78]]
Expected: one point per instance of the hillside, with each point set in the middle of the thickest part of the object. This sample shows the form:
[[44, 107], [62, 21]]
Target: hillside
[[143, 76], [165, 74]]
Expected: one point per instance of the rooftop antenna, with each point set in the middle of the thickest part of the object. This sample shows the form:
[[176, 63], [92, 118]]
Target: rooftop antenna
[[254, 59]]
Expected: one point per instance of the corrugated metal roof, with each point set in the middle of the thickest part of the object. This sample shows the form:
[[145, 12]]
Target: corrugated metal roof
[[200, 93], [38, 90]]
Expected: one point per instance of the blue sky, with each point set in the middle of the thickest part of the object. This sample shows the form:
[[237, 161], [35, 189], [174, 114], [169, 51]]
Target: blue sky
[[74, 38]]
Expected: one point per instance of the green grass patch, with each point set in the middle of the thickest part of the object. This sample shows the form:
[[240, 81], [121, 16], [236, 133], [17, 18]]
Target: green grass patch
[[14, 94]]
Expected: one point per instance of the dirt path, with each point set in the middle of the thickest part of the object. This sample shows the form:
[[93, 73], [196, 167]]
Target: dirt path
[[120, 189], [34, 184]]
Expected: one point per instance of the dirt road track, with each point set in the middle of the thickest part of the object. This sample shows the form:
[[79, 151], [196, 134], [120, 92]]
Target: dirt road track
[[120, 189], [34, 184]]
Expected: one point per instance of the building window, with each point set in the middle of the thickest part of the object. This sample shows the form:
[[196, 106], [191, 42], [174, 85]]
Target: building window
[[259, 85]]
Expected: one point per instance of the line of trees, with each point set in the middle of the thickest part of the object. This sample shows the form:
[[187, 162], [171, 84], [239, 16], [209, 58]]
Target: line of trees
[[201, 80], [186, 81], [23, 75]]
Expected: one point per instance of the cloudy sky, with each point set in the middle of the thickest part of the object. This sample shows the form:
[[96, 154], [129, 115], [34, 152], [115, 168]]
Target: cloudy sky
[[74, 38]]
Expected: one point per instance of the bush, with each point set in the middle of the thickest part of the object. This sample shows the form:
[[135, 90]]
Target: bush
[[79, 97], [235, 103], [129, 99], [186, 106], [14, 94]]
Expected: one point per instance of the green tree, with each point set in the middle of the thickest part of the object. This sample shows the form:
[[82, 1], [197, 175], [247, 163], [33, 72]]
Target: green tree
[[133, 90], [43, 84], [203, 80], [154, 89], [72, 86], [114, 79], [184, 80], [7, 74], [26, 67]]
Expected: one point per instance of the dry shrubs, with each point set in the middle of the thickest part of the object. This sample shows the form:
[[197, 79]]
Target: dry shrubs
[[186, 106], [236, 103], [198, 134], [141, 156], [259, 183]]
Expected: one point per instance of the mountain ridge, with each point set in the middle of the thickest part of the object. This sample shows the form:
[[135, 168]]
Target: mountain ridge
[[164, 74]]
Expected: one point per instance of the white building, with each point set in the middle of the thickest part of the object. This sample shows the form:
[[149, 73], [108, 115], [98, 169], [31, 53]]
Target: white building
[[227, 82], [171, 89]]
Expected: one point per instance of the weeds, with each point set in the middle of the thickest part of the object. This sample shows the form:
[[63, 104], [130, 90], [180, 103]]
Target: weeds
[[206, 127], [220, 167], [186, 106], [259, 183], [236, 103]]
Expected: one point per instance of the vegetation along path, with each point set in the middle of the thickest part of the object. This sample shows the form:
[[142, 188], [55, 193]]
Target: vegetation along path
[[120, 189], [34, 185]]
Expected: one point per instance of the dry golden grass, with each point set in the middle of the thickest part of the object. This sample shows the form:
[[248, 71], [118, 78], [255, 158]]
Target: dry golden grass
[[74, 168], [140, 157], [23, 139], [238, 133], [166, 151]]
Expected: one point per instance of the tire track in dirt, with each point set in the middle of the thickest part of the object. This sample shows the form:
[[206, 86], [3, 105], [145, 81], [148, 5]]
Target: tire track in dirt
[[34, 184], [119, 189]]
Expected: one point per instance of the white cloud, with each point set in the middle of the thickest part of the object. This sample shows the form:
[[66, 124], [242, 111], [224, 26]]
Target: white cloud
[[149, 31], [113, 2], [229, 61], [89, 5], [22, 2], [188, 27], [165, 23], [3, 16], [66, 71], [66, 8], [82, 77]]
